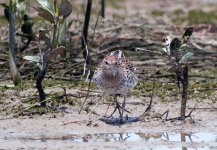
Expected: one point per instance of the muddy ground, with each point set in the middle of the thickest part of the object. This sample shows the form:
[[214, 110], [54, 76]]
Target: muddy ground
[[82, 131], [128, 25]]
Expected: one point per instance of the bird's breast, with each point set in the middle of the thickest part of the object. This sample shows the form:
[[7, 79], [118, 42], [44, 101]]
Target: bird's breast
[[111, 80]]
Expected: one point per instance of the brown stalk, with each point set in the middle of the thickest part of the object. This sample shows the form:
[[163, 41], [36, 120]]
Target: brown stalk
[[12, 62]]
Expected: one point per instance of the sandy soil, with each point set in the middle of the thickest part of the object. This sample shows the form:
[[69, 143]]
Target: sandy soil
[[72, 130]]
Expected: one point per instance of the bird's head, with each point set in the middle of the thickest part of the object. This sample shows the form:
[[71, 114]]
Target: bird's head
[[112, 62]]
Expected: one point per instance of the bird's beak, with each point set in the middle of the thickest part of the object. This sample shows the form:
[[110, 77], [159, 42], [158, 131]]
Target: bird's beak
[[113, 72]]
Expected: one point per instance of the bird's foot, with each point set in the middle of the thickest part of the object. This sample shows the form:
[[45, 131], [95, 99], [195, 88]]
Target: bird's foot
[[119, 108]]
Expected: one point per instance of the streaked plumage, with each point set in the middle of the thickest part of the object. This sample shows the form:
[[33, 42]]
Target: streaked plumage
[[115, 75]]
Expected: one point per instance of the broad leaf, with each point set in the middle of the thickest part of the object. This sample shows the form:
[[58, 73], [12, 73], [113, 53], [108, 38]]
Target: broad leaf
[[46, 14], [65, 9], [32, 58], [46, 5], [7, 85], [185, 58], [39, 66], [20, 1], [21, 6], [175, 44], [188, 33], [4, 5], [175, 68]]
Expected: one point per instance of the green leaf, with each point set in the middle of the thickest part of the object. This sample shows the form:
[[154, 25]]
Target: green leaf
[[20, 1], [46, 14], [32, 58], [65, 9], [46, 10], [46, 5], [4, 5], [7, 85], [39, 66], [185, 58], [175, 68], [188, 33], [175, 44], [21, 6], [62, 32]]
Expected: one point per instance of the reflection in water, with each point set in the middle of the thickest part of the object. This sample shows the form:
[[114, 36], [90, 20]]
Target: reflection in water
[[121, 137], [194, 138], [109, 137], [183, 140]]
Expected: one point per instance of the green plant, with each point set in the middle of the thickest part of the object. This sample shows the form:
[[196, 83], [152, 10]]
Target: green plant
[[177, 52], [52, 13], [195, 17], [19, 13], [12, 53], [12, 12]]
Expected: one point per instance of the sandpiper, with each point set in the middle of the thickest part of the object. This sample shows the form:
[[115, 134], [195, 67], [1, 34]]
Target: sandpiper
[[115, 75]]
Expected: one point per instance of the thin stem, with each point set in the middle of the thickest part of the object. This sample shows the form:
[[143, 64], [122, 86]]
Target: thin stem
[[146, 50], [184, 81], [103, 8], [40, 89], [95, 26], [11, 29], [54, 33], [12, 62], [87, 95], [45, 63], [85, 33], [84, 46]]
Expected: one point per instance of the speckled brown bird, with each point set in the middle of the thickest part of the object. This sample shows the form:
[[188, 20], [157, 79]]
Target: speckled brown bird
[[115, 75]]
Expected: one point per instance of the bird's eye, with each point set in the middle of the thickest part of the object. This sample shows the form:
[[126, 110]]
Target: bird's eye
[[106, 63]]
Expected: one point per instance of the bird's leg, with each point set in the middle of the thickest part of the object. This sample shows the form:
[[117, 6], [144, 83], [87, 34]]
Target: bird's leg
[[117, 106], [113, 112], [107, 110], [123, 108]]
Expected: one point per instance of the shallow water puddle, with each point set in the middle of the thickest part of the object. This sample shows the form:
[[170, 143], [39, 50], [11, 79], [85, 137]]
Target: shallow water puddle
[[172, 140], [121, 137]]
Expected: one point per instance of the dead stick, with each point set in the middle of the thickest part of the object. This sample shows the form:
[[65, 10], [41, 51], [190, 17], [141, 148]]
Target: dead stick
[[85, 96]]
